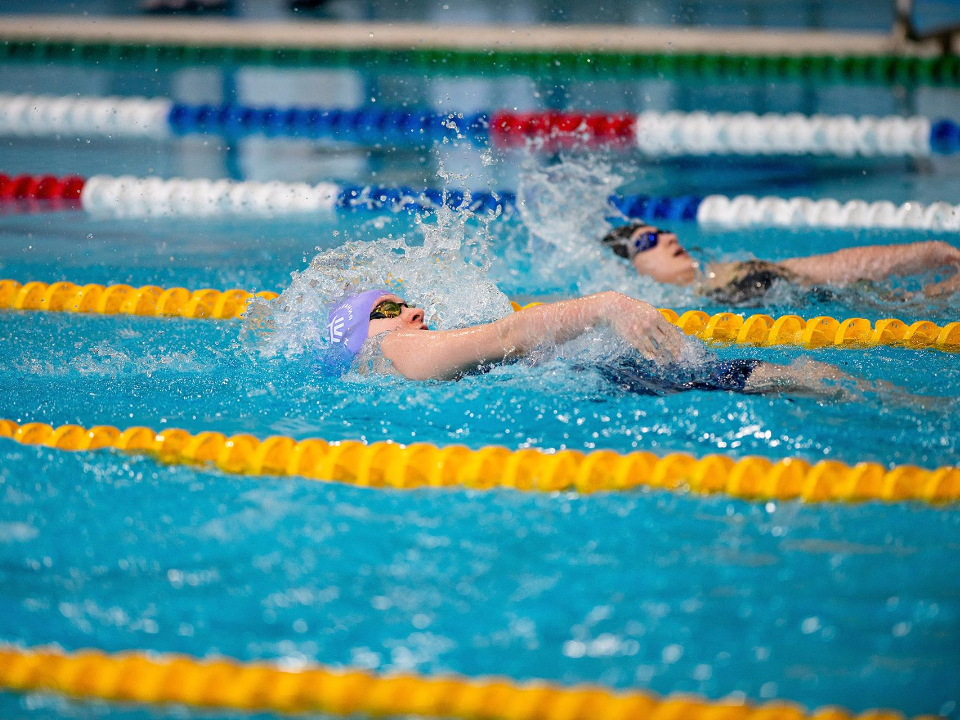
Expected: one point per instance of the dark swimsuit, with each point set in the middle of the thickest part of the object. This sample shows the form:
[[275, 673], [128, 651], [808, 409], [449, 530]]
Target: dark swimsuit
[[642, 377], [754, 280]]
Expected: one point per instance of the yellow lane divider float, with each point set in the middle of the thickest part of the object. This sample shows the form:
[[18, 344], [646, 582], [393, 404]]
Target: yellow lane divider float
[[388, 464], [726, 327], [126, 299], [821, 331], [140, 677]]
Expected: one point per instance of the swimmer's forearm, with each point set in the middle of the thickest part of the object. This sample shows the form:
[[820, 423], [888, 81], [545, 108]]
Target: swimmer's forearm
[[554, 323], [874, 262]]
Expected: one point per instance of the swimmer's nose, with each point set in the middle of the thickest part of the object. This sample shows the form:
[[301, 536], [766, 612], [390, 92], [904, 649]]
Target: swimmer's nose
[[414, 314]]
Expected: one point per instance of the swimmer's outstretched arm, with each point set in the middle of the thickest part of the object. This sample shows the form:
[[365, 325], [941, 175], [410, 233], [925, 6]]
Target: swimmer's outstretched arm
[[877, 262], [444, 355]]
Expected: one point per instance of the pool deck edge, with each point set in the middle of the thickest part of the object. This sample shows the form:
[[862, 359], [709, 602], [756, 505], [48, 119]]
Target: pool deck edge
[[421, 36]]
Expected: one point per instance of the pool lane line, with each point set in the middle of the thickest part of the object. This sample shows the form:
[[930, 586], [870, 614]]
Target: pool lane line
[[158, 679], [153, 678], [148, 300], [596, 52], [653, 133], [129, 196], [725, 327], [423, 465]]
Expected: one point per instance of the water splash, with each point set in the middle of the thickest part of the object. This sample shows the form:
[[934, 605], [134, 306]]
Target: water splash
[[564, 206], [445, 275]]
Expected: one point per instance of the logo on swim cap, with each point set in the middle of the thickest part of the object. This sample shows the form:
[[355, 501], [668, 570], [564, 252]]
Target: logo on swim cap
[[347, 325], [338, 323]]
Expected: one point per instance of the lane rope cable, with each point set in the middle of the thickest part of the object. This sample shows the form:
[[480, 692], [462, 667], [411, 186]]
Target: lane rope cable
[[391, 465], [725, 327]]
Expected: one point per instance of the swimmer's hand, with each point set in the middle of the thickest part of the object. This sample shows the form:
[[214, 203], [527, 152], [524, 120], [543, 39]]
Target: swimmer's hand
[[642, 326]]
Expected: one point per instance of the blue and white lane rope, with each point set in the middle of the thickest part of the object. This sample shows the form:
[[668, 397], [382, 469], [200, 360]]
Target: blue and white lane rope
[[655, 134], [129, 196]]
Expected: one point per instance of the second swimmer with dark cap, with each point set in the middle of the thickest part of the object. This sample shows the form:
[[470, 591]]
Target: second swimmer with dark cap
[[657, 254]]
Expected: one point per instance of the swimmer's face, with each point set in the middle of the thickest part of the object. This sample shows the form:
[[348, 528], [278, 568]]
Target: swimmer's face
[[667, 261], [410, 318]]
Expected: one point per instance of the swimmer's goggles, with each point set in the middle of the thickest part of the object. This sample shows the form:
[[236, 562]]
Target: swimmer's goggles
[[387, 309], [623, 242]]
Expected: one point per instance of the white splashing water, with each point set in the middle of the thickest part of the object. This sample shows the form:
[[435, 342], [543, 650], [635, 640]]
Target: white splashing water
[[446, 276], [565, 207]]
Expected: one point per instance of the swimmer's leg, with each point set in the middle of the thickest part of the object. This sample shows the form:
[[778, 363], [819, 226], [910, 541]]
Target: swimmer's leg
[[823, 381], [807, 378]]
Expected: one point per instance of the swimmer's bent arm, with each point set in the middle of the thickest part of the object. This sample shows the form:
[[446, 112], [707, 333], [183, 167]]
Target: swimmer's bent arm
[[874, 262], [444, 355]]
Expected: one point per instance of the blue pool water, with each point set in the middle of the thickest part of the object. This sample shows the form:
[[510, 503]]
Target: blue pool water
[[854, 605], [826, 604]]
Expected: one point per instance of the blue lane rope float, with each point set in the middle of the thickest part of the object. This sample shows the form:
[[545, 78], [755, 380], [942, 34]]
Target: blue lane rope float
[[653, 133], [129, 196]]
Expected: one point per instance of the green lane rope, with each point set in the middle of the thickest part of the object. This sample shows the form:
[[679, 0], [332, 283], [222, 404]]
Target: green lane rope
[[861, 69]]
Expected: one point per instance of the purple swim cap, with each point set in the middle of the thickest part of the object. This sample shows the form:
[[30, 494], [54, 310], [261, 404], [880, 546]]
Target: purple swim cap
[[349, 322]]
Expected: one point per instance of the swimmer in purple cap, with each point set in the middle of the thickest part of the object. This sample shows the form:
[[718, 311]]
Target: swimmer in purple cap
[[350, 319], [379, 331]]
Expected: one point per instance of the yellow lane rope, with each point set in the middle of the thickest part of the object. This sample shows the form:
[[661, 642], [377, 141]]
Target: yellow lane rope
[[125, 299], [258, 686], [821, 331], [725, 327], [388, 464]]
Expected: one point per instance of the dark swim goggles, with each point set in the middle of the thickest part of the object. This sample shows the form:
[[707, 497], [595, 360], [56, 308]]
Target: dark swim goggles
[[624, 243], [387, 309]]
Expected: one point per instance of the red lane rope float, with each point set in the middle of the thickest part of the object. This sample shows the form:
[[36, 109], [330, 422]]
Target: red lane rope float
[[40, 187], [508, 129], [144, 677]]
